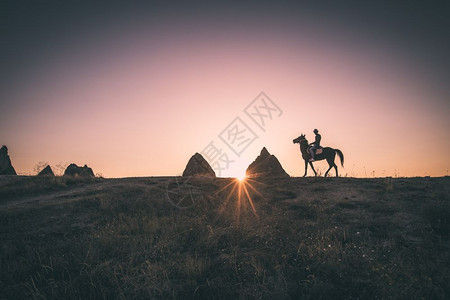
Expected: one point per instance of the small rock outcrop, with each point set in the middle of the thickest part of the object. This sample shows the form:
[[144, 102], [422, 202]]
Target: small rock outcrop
[[76, 171], [47, 171], [198, 166], [265, 165], [6, 167]]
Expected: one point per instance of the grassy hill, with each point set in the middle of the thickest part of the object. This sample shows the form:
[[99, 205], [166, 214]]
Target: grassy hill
[[165, 238]]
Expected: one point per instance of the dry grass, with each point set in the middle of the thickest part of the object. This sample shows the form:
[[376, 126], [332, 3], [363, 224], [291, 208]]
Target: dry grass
[[310, 238]]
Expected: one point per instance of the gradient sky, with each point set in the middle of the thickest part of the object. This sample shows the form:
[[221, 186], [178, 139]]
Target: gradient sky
[[137, 89]]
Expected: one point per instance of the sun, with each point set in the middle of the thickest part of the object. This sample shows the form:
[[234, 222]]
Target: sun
[[241, 177]]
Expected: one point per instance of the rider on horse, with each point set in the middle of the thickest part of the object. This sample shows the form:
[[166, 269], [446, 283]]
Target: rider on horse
[[327, 153], [315, 145]]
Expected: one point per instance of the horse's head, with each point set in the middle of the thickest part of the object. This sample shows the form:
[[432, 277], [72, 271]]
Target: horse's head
[[299, 139]]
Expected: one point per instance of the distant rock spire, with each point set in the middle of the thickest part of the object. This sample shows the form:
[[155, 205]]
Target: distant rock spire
[[47, 171], [6, 167], [76, 171], [265, 165], [198, 166]]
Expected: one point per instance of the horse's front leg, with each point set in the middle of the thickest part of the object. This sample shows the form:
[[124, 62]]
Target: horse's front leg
[[306, 167], [312, 167]]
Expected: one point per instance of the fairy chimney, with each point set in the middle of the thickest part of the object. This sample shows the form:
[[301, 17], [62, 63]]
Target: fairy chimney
[[6, 167], [76, 171], [47, 171], [198, 166], [265, 165]]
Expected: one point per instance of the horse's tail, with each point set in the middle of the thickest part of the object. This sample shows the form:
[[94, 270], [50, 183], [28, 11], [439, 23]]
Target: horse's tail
[[341, 156]]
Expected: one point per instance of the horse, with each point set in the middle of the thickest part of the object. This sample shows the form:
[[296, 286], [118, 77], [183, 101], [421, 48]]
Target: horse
[[328, 153]]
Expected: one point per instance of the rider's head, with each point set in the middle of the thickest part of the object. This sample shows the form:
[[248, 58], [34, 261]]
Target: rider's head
[[316, 131]]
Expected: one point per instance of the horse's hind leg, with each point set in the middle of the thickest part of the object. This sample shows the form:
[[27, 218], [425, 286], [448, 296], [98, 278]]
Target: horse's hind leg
[[331, 164], [326, 173], [330, 161]]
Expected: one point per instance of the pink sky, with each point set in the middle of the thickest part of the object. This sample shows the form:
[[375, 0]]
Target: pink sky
[[140, 102]]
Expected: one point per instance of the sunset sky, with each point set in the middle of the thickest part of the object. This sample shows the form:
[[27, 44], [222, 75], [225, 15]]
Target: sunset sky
[[136, 90]]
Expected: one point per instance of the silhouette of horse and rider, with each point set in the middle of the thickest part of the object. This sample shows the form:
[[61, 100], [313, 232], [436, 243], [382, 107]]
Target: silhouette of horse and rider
[[312, 152]]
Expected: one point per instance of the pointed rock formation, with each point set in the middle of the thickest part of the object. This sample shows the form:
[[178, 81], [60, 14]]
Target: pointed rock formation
[[6, 167], [76, 171], [265, 165], [198, 166], [47, 171]]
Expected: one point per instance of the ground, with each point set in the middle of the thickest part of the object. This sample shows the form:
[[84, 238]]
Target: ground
[[183, 238]]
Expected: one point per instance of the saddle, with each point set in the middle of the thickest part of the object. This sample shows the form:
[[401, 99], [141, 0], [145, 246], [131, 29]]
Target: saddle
[[318, 150]]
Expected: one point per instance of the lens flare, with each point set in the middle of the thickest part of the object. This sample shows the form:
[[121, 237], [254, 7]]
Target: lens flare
[[242, 191]]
